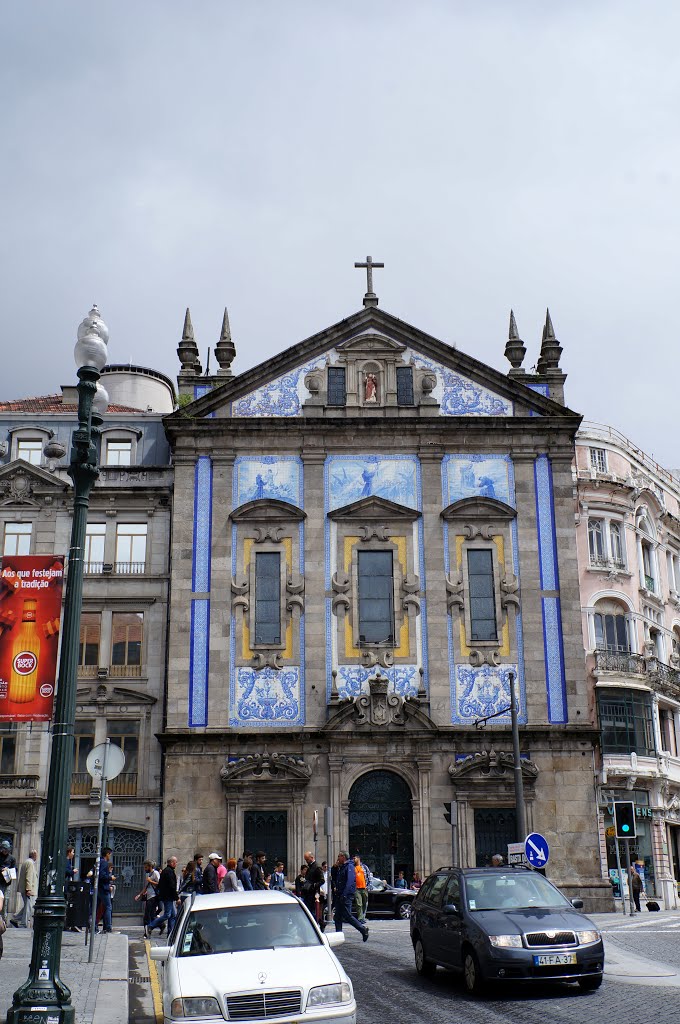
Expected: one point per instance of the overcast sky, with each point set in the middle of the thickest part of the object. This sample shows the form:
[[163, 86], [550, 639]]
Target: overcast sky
[[493, 154]]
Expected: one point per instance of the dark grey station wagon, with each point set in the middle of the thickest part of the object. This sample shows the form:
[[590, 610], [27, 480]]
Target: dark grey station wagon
[[503, 924]]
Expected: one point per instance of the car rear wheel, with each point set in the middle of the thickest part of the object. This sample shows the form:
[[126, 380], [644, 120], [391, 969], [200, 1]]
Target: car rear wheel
[[424, 966], [403, 911], [471, 973], [589, 984]]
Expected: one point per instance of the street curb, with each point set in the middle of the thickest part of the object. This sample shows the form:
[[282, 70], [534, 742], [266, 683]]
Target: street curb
[[111, 1006]]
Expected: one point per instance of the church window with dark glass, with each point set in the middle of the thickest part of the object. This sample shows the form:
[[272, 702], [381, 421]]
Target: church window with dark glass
[[337, 388], [404, 385], [376, 597], [482, 594], [267, 597]]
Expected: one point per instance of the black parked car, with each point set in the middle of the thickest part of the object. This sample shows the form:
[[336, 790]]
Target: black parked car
[[387, 900], [503, 924]]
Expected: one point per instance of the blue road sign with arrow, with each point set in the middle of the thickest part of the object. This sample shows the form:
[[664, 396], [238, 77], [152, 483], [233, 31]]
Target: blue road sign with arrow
[[536, 850]]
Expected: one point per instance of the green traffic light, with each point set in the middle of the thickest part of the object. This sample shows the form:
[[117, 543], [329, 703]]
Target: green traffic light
[[625, 828]]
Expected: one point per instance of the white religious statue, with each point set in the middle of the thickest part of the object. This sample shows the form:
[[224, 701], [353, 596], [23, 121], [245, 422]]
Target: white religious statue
[[371, 388]]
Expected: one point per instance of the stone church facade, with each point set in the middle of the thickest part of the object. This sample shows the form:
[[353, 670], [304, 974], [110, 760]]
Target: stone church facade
[[371, 531]]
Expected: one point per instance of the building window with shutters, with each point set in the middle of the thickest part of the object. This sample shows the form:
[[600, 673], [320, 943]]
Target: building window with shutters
[[125, 734], [267, 598], [88, 650], [83, 739], [405, 385], [375, 572], [337, 386], [127, 634]]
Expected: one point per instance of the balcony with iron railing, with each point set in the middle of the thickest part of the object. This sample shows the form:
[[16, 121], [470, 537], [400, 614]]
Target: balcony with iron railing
[[650, 583], [124, 784], [603, 562], [657, 674]]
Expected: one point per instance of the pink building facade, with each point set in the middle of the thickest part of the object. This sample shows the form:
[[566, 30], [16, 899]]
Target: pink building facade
[[628, 541]]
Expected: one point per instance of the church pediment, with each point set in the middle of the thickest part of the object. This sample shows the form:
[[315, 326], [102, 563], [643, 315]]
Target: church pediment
[[24, 484], [371, 343], [380, 708], [444, 376], [374, 507], [487, 765], [479, 508], [267, 510], [265, 768]]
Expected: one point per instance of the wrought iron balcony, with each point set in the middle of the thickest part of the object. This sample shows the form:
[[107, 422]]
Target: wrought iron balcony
[[622, 662], [650, 585]]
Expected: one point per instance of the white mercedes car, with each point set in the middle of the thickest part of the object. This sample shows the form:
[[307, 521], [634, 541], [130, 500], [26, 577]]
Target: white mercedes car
[[252, 956]]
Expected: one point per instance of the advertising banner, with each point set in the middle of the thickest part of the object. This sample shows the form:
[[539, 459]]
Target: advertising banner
[[30, 615]]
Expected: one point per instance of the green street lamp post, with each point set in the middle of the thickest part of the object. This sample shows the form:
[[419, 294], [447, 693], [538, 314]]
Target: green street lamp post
[[44, 998]]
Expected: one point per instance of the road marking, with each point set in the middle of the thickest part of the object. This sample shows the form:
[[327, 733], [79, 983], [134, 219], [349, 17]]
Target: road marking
[[155, 984]]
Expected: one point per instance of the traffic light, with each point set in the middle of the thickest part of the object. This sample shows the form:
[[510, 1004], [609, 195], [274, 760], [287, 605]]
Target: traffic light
[[447, 812], [624, 819]]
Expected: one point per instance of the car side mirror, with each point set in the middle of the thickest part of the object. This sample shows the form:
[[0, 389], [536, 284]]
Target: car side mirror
[[577, 903], [160, 952], [451, 909], [335, 938]]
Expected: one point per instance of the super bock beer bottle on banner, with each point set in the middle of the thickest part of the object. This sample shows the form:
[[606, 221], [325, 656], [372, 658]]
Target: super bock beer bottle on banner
[[25, 657], [30, 618]]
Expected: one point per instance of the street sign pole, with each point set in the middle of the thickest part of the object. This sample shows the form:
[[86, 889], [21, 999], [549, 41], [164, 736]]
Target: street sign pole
[[618, 868], [328, 826], [626, 847], [95, 876]]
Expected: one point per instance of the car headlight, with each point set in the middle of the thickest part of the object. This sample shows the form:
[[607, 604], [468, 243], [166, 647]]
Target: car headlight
[[196, 1006], [588, 936], [341, 993], [515, 941]]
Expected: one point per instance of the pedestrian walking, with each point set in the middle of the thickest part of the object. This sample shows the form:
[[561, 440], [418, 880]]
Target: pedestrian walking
[[278, 880], [231, 882], [167, 894], [104, 886], [187, 883], [8, 872], [221, 872], [246, 880], [636, 888], [2, 922], [345, 889], [361, 893], [198, 871], [210, 881], [239, 862], [311, 888], [257, 870], [497, 860], [147, 894], [400, 881], [299, 883], [28, 889]]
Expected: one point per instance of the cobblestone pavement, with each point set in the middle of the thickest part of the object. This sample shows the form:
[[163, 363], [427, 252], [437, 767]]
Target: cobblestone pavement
[[80, 976], [388, 990]]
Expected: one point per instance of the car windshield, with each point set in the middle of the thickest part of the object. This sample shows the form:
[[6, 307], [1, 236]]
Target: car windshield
[[514, 891], [235, 929]]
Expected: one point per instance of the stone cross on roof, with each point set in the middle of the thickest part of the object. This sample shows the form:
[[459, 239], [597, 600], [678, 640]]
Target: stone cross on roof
[[370, 298]]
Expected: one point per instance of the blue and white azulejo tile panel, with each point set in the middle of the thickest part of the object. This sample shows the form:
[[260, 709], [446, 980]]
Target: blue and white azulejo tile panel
[[458, 395], [282, 396], [478, 476], [199, 659], [352, 680], [267, 697], [351, 477], [482, 691], [269, 476], [203, 487], [556, 684]]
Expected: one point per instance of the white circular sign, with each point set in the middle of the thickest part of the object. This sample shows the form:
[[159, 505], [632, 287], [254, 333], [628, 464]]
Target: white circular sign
[[115, 761]]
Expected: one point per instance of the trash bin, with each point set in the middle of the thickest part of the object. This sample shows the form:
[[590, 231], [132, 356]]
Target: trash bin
[[78, 895]]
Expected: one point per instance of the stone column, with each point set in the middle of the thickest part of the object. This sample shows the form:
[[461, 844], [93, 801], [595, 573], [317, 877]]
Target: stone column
[[435, 638], [220, 593]]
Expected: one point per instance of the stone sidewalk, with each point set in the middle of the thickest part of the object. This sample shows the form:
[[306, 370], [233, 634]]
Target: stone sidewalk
[[99, 990]]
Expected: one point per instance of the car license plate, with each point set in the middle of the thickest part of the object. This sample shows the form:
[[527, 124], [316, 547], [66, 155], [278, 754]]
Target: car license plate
[[554, 959]]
